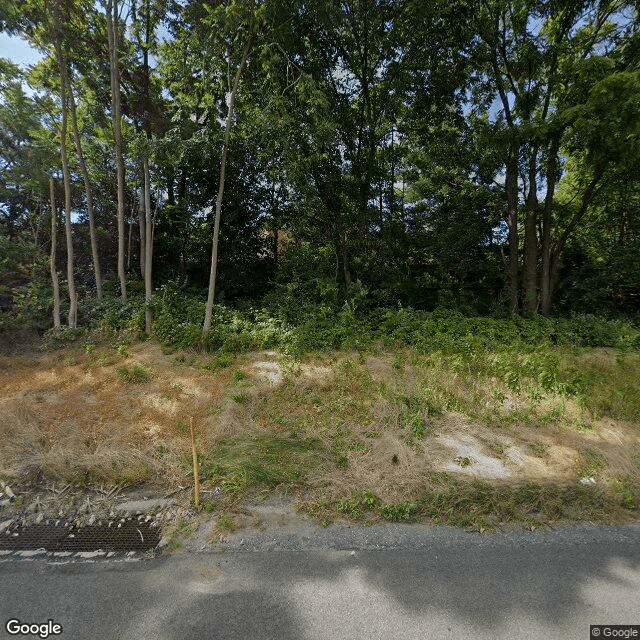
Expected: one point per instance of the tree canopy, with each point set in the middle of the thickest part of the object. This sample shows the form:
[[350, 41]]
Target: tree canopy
[[477, 154]]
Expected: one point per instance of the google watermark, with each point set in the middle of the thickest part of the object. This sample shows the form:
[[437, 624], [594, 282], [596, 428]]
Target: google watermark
[[626, 631], [15, 627]]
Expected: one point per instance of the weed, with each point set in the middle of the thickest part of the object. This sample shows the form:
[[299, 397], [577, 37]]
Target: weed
[[226, 523], [241, 398], [89, 348], [221, 361], [463, 461], [590, 462], [350, 506], [176, 386], [497, 448], [534, 394], [239, 374], [537, 448], [208, 506], [137, 374], [177, 533], [104, 361], [123, 350], [133, 475], [585, 427], [497, 395], [290, 368], [397, 512], [627, 489], [262, 461], [418, 426], [479, 505], [70, 361]]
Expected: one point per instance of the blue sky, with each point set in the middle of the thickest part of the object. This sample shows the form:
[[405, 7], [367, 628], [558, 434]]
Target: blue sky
[[17, 50]]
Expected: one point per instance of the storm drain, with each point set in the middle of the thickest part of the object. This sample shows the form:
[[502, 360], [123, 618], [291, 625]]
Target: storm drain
[[115, 535]]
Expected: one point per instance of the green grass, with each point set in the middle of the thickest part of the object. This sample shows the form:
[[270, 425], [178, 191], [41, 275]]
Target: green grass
[[479, 506], [590, 463], [184, 528], [251, 464], [136, 374]]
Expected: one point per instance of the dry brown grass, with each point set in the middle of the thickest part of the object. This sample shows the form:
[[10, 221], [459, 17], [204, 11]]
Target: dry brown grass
[[332, 427]]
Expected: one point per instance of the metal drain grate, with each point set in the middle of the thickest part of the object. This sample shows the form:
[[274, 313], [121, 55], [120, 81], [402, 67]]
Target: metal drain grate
[[116, 535]]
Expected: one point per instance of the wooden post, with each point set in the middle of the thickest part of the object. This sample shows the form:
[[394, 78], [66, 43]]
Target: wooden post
[[196, 470]]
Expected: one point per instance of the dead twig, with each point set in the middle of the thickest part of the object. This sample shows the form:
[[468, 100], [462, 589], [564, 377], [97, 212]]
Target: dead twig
[[172, 493]]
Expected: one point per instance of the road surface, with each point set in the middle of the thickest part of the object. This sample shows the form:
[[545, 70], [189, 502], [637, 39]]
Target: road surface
[[419, 583]]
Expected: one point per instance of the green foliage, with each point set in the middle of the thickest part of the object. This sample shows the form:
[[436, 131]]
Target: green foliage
[[220, 361], [123, 350], [398, 512], [113, 313], [33, 304], [136, 374], [452, 332]]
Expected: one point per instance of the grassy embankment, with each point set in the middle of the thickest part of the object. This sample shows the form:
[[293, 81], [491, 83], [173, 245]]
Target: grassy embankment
[[357, 432]]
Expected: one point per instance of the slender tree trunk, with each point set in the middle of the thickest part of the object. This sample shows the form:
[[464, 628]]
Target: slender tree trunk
[[88, 191], [129, 249], [148, 259], [112, 30], [531, 238], [143, 231], [73, 296], [546, 284], [223, 161], [52, 260], [511, 184], [274, 218]]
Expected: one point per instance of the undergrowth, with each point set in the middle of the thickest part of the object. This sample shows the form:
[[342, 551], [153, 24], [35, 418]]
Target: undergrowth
[[479, 506]]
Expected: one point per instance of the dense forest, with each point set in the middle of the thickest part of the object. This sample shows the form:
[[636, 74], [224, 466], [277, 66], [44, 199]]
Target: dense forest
[[178, 165]]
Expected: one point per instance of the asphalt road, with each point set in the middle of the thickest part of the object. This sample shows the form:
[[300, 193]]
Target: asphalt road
[[421, 583]]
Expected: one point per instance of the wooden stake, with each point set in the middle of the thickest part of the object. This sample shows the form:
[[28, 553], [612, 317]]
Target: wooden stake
[[196, 470]]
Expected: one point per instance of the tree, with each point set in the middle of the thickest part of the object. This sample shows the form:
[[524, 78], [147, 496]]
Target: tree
[[112, 15], [52, 261], [533, 58], [64, 108]]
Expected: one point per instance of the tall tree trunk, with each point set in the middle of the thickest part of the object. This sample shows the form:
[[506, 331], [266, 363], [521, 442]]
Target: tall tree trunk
[[511, 183], [112, 31], [223, 161], [52, 259], [73, 296], [148, 259], [274, 218], [88, 192], [546, 284], [531, 238], [143, 230]]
